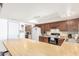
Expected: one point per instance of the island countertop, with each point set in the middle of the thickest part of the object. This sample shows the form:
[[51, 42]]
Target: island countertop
[[28, 47]]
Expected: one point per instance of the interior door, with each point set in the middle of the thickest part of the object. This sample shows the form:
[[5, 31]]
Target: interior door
[[13, 30]]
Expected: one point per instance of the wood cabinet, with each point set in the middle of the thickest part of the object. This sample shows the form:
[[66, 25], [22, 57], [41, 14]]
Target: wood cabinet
[[43, 27], [62, 26], [28, 28], [60, 41], [72, 25], [43, 39], [67, 25], [47, 27]]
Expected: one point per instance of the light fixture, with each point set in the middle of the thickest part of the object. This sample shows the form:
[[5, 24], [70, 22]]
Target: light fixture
[[33, 21]]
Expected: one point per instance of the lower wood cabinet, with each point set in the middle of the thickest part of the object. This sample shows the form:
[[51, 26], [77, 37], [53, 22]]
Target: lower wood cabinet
[[46, 39], [43, 39], [60, 41]]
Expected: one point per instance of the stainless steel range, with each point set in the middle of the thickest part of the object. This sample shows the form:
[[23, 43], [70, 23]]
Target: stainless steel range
[[53, 39]]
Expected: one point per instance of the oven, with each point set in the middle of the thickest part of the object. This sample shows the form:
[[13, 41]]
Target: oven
[[53, 39]]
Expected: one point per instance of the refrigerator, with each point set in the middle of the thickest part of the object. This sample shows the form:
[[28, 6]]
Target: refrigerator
[[22, 31], [36, 32]]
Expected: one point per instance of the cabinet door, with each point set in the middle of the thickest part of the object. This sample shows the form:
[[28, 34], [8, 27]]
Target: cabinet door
[[72, 25], [43, 28], [60, 41], [46, 27], [41, 39], [52, 25], [63, 26], [45, 39]]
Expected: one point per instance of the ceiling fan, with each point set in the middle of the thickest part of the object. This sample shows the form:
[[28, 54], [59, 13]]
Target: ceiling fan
[[1, 5]]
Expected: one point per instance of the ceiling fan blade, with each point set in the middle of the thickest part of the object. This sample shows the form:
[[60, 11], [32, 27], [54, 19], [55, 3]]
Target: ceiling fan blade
[[1, 5]]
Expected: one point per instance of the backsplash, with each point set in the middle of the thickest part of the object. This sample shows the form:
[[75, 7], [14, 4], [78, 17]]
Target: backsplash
[[72, 32]]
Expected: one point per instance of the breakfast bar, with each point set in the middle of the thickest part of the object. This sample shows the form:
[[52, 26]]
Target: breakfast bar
[[28, 47]]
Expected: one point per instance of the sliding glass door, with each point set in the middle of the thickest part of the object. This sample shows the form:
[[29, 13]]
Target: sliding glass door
[[10, 29]]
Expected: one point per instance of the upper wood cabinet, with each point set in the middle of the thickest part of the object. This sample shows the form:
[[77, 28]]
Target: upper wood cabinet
[[47, 27], [43, 27], [59, 25], [68, 25], [72, 25], [28, 28], [54, 25], [62, 26]]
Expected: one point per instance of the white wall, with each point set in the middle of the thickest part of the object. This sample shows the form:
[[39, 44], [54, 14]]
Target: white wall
[[3, 33]]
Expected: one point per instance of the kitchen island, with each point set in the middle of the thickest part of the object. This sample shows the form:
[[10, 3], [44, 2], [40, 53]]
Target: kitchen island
[[28, 47], [47, 39]]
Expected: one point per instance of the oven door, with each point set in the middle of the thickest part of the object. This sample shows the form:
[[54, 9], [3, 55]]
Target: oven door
[[52, 40]]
